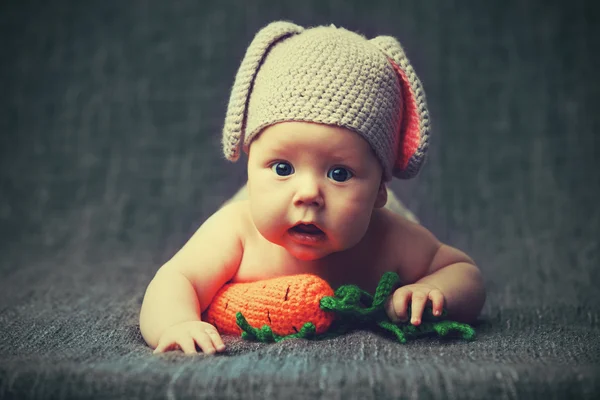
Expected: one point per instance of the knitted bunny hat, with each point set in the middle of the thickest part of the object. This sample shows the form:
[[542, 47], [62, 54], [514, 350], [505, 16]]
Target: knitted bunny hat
[[331, 76]]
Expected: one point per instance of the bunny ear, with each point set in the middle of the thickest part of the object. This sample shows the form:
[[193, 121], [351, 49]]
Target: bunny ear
[[414, 129], [235, 120]]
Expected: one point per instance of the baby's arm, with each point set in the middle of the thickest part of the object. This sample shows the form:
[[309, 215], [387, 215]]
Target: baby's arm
[[437, 273], [183, 287], [457, 277]]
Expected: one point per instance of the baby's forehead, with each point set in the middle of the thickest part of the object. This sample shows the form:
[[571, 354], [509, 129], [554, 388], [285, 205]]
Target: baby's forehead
[[298, 136], [299, 144]]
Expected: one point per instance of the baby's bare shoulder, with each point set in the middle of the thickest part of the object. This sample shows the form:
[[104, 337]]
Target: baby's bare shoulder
[[410, 245], [217, 244], [236, 215], [234, 211], [398, 227], [212, 256]]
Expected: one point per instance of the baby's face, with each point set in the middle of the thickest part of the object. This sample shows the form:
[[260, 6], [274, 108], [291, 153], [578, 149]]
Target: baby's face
[[300, 172]]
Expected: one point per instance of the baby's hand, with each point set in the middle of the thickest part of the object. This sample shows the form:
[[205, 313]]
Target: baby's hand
[[420, 293], [186, 335]]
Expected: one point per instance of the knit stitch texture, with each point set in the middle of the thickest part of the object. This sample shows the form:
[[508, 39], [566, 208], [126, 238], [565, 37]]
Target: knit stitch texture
[[332, 76], [305, 306], [284, 303]]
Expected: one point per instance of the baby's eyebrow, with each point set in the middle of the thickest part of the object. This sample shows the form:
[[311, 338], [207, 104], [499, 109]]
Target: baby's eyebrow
[[336, 155], [278, 148], [344, 155], [278, 151], [347, 156]]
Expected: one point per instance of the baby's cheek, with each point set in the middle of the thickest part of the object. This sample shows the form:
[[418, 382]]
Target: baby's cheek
[[268, 220], [353, 224]]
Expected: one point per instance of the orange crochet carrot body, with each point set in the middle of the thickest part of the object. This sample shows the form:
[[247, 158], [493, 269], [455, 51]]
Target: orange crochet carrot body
[[285, 304]]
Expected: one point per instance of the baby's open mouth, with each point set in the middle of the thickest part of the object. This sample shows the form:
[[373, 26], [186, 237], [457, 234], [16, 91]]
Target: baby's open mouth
[[307, 234], [308, 229]]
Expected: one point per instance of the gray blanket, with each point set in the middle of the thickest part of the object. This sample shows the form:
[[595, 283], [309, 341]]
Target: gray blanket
[[110, 119]]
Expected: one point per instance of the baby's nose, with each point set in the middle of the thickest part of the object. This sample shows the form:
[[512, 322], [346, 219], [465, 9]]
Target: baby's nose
[[308, 193]]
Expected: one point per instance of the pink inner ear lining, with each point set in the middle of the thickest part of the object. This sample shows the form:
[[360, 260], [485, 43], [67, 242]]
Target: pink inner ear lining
[[409, 126]]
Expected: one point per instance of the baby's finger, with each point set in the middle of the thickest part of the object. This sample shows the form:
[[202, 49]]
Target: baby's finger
[[187, 345], [389, 309], [164, 345], [437, 302], [400, 301], [216, 339], [417, 306], [204, 341]]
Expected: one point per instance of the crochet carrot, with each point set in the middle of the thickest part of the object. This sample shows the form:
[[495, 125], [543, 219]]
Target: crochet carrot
[[305, 306], [284, 303]]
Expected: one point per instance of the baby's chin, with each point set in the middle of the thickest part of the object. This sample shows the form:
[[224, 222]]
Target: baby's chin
[[308, 253], [298, 251], [303, 255]]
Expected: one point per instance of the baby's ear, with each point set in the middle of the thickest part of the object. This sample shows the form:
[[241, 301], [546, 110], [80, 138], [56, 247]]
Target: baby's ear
[[382, 196], [235, 120]]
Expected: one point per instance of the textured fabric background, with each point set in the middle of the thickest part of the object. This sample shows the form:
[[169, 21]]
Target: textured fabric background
[[110, 121]]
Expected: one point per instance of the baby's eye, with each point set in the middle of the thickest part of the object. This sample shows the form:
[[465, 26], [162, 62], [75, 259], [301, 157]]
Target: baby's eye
[[339, 174], [282, 168]]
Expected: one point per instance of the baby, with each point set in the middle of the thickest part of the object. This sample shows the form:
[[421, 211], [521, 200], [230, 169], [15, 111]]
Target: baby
[[327, 118]]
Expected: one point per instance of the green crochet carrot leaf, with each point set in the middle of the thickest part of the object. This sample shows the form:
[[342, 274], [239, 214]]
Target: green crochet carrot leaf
[[305, 306], [265, 334]]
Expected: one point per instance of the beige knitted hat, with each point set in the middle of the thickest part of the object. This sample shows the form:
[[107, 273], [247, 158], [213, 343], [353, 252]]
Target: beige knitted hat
[[332, 76]]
